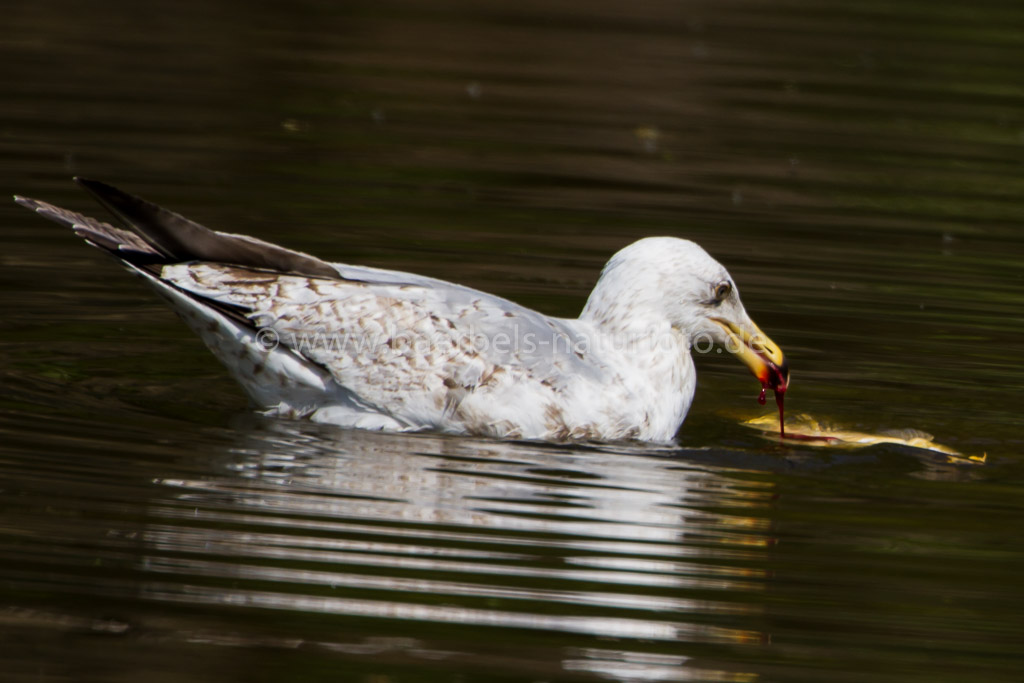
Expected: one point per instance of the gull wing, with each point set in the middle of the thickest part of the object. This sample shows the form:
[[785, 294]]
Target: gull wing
[[396, 344], [411, 346]]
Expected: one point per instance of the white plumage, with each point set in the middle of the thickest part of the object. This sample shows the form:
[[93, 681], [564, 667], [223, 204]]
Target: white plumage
[[378, 349]]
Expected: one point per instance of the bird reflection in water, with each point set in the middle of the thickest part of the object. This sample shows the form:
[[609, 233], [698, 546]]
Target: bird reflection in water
[[606, 542]]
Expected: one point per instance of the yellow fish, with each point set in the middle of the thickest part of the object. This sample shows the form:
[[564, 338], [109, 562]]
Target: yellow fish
[[804, 428]]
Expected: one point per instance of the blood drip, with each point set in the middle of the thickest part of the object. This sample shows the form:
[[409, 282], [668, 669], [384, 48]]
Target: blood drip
[[780, 395], [779, 398]]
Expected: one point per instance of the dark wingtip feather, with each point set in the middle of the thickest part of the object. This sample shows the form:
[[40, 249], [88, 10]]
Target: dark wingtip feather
[[99, 189], [153, 230]]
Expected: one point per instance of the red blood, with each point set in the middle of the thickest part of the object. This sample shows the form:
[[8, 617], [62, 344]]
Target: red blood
[[777, 379], [780, 395], [779, 398]]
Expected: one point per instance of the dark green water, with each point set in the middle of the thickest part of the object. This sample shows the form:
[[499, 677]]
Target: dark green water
[[858, 166]]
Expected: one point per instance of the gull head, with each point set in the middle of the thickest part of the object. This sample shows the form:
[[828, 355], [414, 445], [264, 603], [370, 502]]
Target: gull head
[[662, 283]]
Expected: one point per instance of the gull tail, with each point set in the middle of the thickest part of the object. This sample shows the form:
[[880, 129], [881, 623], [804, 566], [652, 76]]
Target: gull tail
[[152, 237]]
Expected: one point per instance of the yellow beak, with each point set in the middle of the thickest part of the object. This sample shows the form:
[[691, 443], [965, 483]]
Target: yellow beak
[[759, 353]]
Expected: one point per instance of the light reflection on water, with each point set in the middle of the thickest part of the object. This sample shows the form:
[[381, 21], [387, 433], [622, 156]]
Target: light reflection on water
[[541, 545], [468, 522]]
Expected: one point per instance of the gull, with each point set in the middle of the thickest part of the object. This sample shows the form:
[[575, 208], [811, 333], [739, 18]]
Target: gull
[[364, 347]]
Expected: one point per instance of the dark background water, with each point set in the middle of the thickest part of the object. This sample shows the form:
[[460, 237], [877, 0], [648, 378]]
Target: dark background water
[[856, 165]]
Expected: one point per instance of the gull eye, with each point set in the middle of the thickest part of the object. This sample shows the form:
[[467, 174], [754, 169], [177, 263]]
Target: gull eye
[[722, 290]]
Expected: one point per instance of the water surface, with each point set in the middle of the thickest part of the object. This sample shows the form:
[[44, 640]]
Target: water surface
[[857, 168]]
